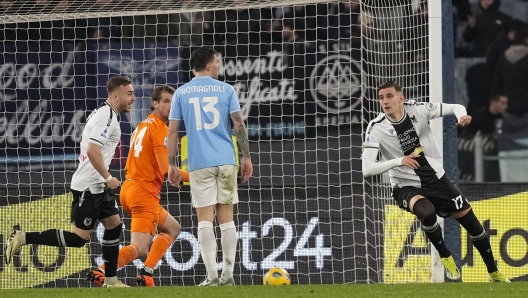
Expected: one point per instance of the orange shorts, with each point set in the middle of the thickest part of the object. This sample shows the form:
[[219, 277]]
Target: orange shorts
[[144, 208]]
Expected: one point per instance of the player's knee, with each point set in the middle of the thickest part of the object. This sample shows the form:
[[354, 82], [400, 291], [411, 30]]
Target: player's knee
[[425, 211], [472, 225], [114, 233], [74, 240], [175, 230]]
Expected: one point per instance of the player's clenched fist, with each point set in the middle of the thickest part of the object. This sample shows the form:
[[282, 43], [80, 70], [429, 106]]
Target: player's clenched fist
[[410, 161], [464, 121], [174, 176], [113, 183]]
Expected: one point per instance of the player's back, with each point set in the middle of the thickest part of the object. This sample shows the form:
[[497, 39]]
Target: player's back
[[205, 105], [147, 140]]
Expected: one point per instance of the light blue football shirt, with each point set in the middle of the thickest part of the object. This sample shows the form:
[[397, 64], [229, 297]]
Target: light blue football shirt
[[205, 105]]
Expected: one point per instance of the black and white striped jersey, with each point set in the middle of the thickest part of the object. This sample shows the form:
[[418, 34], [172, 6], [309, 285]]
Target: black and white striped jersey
[[412, 133], [102, 129]]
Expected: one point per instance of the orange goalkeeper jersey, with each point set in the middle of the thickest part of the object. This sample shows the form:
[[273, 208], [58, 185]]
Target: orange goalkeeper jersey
[[147, 161]]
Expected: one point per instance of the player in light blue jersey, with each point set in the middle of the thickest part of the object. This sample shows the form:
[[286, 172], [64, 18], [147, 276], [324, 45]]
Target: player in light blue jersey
[[205, 105]]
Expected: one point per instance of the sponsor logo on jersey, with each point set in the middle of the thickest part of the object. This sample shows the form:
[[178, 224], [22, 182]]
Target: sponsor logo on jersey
[[335, 83]]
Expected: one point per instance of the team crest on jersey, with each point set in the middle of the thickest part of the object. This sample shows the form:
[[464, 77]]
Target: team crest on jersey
[[367, 140], [430, 106], [391, 131], [105, 132], [413, 118], [87, 222]]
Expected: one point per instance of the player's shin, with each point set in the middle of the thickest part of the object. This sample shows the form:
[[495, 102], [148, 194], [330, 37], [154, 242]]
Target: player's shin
[[158, 249], [229, 246], [480, 239], [207, 243], [111, 250], [54, 237], [426, 213]]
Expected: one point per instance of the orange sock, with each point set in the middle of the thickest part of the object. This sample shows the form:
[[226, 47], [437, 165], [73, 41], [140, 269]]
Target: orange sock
[[126, 255], [158, 249]]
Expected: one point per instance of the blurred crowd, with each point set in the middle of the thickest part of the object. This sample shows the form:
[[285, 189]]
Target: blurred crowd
[[491, 44], [488, 32], [204, 27]]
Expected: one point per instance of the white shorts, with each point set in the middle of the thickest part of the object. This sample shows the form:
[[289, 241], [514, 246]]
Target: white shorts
[[214, 185]]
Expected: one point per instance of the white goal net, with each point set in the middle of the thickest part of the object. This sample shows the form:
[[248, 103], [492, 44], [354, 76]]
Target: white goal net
[[306, 73]]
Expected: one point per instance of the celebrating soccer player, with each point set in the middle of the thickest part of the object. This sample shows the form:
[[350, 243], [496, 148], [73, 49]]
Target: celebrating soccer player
[[140, 194], [404, 138], [92, 199], [205, 105]]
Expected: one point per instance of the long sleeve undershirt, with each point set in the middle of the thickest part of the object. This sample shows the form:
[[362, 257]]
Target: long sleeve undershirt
[[369, 159]]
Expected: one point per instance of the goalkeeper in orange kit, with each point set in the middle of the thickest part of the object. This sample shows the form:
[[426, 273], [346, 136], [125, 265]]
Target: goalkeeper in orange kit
[[140, 194]]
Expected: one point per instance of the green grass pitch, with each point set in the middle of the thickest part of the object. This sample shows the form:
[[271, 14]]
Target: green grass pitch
[[445, 290]]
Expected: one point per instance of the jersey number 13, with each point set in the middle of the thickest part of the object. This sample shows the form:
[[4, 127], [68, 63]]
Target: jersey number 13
[[210, 101]]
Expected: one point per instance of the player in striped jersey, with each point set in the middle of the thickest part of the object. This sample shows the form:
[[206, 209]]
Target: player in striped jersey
[[403, 136], [91, 185]]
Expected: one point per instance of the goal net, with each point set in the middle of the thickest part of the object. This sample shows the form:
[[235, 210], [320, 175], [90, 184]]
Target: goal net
[[306, 74]]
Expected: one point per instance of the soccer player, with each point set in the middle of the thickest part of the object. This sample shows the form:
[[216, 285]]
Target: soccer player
[[140, 194], [404, 138], [205, 105], [91, 185]]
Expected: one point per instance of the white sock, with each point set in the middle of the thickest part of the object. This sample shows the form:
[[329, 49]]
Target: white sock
[[229, 246], [207, 243]]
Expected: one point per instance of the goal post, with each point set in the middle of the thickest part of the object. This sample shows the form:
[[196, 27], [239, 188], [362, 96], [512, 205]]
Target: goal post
[[436, 96], [305, 73]]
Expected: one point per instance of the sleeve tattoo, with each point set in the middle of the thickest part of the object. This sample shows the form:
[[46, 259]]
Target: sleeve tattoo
[[172, 160], [242, 135]]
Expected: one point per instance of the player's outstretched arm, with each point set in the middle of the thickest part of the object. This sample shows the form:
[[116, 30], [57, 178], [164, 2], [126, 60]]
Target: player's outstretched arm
[[459, 111], [174, 175], [246, 167], [371, 166]]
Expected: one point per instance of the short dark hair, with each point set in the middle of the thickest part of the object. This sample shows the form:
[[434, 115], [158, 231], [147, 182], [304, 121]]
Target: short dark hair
[[390, 84], [156, 93], [116, 82], [496, 97], [200, 57]]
